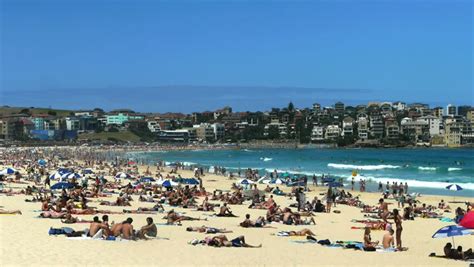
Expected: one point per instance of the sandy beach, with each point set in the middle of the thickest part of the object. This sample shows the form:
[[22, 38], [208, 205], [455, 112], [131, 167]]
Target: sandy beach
[[24, 239]]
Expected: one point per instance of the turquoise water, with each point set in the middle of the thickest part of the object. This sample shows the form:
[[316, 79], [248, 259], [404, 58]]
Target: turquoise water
[[426, 170]]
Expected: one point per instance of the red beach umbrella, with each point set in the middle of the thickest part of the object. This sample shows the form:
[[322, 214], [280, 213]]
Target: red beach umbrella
[[468, 220]]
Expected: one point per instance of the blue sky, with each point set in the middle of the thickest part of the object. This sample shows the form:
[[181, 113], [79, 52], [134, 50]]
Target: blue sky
[[252, 55]]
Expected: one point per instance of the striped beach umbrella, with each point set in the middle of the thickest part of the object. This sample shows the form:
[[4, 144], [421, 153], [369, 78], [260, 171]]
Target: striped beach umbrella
[[122, 175], [55, 176], [8, 171], [246, 181], [454, 187], [451, 231], [62, 186], [71, 175]]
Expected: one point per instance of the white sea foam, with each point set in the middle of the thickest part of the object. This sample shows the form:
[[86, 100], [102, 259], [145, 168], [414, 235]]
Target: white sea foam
[[266, 159], [362, 167], [421, 168], [411, 183], [454, 169]]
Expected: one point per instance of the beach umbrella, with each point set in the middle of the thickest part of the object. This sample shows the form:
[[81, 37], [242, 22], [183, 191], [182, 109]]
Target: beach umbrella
[[42, 162], [8, 171], [454, 187], [451, 231], [335, 184], [121, 175], [276, 181], [87, 171], [191, 181], [168, 183], [71, 175], [328, 180], [246, 181], [55, 176], [63, 171], [147, 179], [468, 220], [62, 186]]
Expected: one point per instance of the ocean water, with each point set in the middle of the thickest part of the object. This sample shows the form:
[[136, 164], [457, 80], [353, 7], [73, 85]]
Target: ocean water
[[427, 171]]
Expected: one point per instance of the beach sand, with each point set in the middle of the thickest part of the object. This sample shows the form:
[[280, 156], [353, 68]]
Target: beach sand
[[24, 239]]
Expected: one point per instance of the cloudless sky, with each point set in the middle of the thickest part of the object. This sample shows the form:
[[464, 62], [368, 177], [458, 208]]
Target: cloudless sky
[[252, 55]]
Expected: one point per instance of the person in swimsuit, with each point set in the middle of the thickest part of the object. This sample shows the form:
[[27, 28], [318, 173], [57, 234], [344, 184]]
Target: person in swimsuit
[[207, 230], [222, 241], [149, 230], [225, 211], [368, 244], [398, 225]]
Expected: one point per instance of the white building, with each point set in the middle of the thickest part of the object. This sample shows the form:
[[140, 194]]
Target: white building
[[219, 130], [153, 126], [399, 105], [72, 123], [317, 134], [347, 126], [433, 123], [333, 132], [363, 127]]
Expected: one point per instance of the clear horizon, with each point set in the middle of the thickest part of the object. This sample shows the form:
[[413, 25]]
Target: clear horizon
[[188, 56]]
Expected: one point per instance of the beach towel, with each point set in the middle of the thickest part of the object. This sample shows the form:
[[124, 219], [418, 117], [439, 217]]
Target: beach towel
[[445, 219], [304, 241]]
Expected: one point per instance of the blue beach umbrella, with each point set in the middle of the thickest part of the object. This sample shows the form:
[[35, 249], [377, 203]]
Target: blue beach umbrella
[[87, 171], [454, 187], [42, 162], [62, 186], [168, 183], [8, 171], [335, 184], [328, 180], [147, 179], [55, 176], [452, 231], [192, 181], [71, 175], [245, 182], [63, 171]]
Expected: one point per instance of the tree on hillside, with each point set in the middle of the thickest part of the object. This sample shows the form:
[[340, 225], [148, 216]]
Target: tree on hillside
[[291, 107]]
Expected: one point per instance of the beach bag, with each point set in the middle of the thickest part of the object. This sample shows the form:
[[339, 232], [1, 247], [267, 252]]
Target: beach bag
[[56, 231], [324, 242]]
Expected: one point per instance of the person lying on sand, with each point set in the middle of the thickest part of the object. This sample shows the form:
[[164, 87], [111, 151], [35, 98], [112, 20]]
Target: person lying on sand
[[53, 214], [303, 232], [68, 219], [222, 241], [2, 211], [157, 208], [208, 230], [175, 218]]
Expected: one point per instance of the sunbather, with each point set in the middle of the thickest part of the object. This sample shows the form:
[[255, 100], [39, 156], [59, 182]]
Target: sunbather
[[2, 211], [207, 230], [225, 212], [148, 231]]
